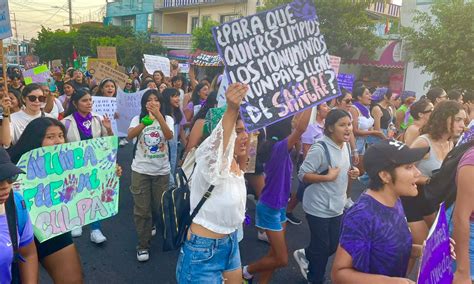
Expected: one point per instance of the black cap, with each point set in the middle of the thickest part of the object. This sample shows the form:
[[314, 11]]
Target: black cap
[[389, 153], [7, 168]]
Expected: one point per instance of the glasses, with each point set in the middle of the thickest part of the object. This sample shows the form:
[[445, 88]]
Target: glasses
[[11, 180], [347, 101], [33, 99]]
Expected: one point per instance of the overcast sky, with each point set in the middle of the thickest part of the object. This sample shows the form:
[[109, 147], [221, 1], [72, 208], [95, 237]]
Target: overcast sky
[[31, 14]]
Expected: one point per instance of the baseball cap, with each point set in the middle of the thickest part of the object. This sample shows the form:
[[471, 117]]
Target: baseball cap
[[7, 168], [388, 153]]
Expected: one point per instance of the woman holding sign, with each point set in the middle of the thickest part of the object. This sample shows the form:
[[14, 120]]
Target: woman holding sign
[[54, 253], [82, 124]]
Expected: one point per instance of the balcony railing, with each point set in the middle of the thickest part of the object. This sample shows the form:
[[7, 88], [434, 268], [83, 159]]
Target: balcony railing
[[185, 3], [174, 41], [385, 9]]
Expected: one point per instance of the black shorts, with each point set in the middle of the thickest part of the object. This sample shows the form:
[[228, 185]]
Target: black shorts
[[417, 207], [53, 245]]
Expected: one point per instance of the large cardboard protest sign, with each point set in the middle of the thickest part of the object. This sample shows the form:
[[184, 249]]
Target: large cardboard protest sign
[[436, 262], [40, 74], [335, 63], [128, 106], [69, 185], [155, 62], [104, 71], [282, 56], [107, 52], [5, 25], [106, 106], [206, 59], [93, 63]]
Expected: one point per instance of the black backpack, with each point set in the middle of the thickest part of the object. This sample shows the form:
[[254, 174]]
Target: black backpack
[[174, 212], [442, 186]]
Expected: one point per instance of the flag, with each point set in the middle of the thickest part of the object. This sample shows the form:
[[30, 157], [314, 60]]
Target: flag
[[387, 26], [75, 58]]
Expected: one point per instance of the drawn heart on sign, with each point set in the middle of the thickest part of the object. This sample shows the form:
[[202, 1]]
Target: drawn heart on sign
[[87, 124]]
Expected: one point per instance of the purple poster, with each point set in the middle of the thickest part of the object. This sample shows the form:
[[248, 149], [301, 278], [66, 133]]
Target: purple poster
[[346, 81], [282, 56], [436, 262]]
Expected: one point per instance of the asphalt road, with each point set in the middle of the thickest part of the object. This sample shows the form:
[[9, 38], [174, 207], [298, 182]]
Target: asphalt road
[[115, 261]]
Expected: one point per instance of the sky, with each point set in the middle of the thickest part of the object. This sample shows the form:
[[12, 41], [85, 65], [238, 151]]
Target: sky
[[31, 14]]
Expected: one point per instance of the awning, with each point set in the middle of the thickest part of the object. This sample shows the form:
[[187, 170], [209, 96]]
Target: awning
[[388, 56], [180, 54]]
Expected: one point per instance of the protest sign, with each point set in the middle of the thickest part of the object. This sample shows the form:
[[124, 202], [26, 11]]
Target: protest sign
[[104, 71], [38, 74], [335, 63], [107, 52], [206, 59], [436, 261], [93, 63], [282, 56], [5, 25], [183, 68], [106, 106], [346, 81], [128, 106], [69, 185], [155, 62]]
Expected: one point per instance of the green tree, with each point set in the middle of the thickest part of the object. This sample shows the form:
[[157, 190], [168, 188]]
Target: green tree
[[344, 24], [87, 32], [444, 43], [202, 36], [52, 45]]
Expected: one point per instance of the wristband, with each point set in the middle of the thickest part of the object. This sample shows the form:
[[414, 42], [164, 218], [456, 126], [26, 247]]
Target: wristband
[[147, 120]]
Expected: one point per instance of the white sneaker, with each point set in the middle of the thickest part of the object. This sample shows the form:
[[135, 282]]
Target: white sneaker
[[303, 263], [143, 255], [77, 232], [262, 236], [349, 203], [153, 231], [97, 237]]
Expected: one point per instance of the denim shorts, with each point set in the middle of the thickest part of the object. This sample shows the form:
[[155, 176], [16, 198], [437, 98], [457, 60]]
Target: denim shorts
[[360, 143], [268, 218], [203, 260]]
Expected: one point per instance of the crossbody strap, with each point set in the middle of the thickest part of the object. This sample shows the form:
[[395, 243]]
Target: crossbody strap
[[201, 203], [12, 228]]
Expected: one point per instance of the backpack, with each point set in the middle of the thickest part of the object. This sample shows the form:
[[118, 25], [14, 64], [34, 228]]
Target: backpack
[[17, 216], [442, 186], [174, 211]]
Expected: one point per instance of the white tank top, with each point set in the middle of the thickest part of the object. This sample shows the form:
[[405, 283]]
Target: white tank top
[[365, 123]]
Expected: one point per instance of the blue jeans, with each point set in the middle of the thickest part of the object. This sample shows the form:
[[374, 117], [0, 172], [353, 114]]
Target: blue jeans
[[449, 213], [203, 260], [95, 225]]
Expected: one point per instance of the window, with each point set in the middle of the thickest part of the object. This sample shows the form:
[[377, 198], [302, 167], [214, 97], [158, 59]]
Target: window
[[194, 23], [228, 18], [128, 21], [206, 18]]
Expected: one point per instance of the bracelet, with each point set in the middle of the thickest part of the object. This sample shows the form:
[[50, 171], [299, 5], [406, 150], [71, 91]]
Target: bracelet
[[6, 116]]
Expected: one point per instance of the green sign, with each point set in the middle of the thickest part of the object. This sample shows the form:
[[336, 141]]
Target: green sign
[[69, 185]]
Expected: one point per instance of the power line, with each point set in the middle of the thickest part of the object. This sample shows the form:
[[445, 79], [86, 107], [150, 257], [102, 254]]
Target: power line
[[34, 9]]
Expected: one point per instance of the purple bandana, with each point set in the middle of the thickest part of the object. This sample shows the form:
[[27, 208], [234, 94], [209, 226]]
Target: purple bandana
[[84, 124], [363, 109]]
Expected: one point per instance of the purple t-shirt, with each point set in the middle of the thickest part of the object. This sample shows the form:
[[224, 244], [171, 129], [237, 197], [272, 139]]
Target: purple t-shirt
[[6, 249], [467, 160], [377, 237], [278, 171], [313, 133]]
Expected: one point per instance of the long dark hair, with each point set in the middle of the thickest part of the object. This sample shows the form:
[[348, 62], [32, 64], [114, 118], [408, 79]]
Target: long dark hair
[[210, 103], [437, 125], [333, 117], [101, 87], [75, 98], [195, 97], [174, 111], [274, 133], [164, 110], [33, 135]]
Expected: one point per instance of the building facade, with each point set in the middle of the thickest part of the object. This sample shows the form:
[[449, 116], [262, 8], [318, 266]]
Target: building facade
[[135, 13]]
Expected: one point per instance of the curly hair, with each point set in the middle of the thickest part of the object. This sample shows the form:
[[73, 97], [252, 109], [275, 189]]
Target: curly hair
[[438, 123]]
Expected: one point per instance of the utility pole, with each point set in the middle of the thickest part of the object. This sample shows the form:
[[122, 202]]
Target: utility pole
[[17, 41], [70, 14]]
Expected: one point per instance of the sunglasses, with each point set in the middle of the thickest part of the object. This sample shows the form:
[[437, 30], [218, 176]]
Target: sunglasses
[[11, 179], [347, 101], [33, 99]]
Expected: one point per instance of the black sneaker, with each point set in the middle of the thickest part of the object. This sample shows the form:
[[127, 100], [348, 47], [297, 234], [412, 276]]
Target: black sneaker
[[292, 219]]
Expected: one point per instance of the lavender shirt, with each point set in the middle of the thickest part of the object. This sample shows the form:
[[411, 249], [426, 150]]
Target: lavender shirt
[[377, 237], [278, 171], [6, 250]]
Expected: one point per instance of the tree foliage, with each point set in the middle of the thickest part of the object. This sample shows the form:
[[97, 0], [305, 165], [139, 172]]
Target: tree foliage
[[202, 36], [344, 24], [444, 43], [130, 46]]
